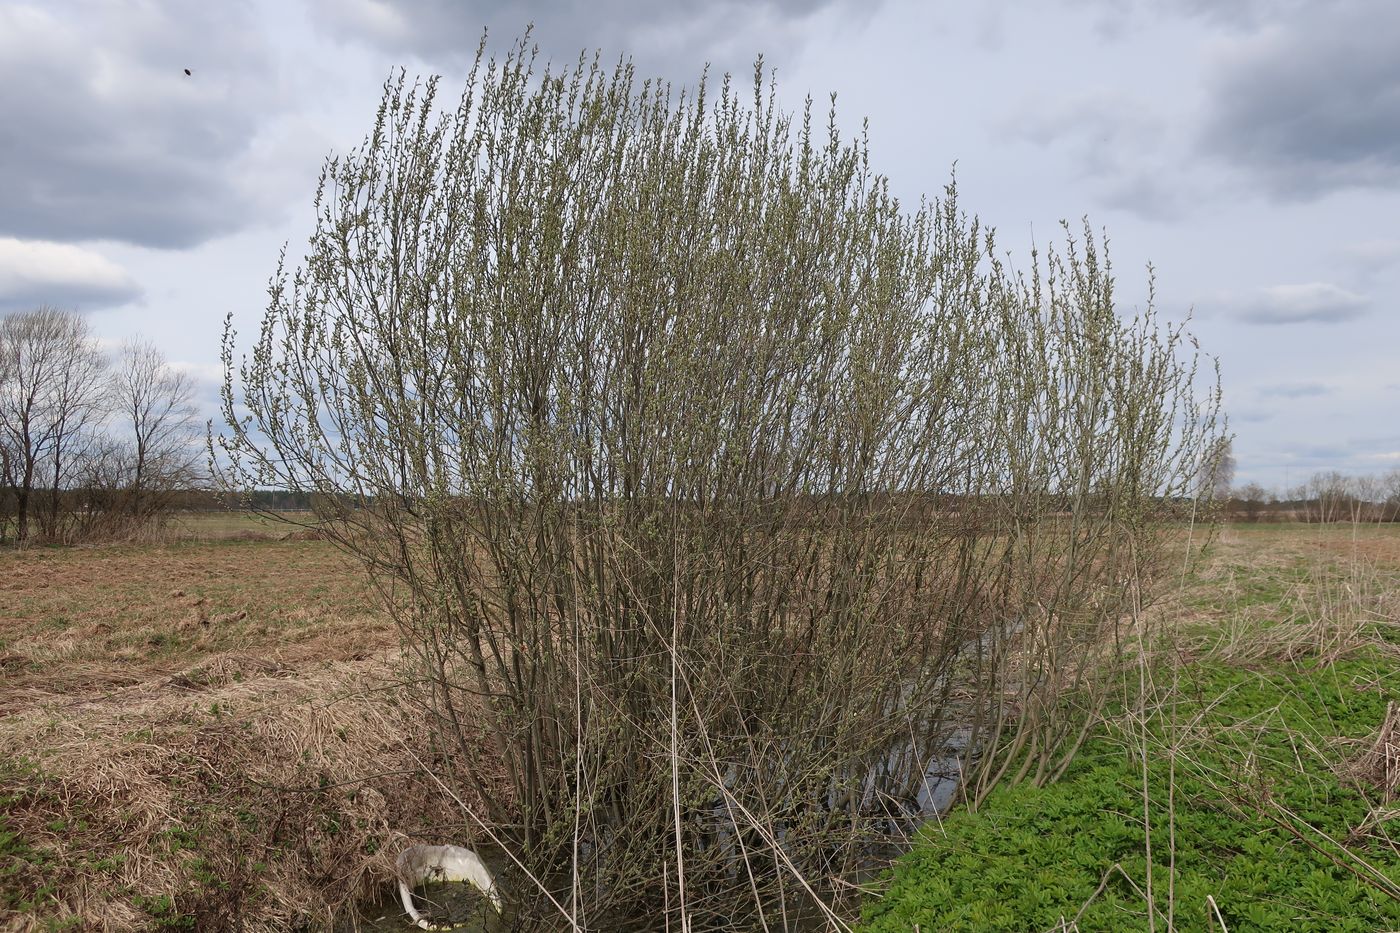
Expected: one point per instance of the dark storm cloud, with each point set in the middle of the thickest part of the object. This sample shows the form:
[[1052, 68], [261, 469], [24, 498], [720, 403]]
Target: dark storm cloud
[[33, 274], [1306, 303], [1311, 104], [670, 38], [105, 137]]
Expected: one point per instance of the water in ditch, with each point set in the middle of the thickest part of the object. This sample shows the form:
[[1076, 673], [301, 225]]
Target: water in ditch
[[460, 906]]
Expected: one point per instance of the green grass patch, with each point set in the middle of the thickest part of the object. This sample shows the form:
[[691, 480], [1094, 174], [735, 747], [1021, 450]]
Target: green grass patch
[[1248, 812]]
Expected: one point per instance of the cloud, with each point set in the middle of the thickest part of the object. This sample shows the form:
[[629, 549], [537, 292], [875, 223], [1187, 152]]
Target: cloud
[[1098, 120], [1311, 104], [1146, 194], [670, 38], [1245, 14], [1373, 255], [34, 273], [105, 135], [1296, 390], [208, 382], [1118, 144], [1119, 15], [1375, 442], [1331, 455], [1370, 449], [1310, 302]]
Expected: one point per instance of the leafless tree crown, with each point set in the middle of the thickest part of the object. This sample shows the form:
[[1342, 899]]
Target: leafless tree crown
[[88, 446]]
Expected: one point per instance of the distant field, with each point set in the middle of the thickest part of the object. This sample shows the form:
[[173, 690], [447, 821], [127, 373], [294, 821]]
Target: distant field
[[215, 525], [89, 618]]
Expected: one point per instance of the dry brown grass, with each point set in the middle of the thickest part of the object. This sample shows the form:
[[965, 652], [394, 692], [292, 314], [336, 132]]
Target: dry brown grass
[[1284, 593], [1377, 768], [81, 621], [202, 736], [210, 733]]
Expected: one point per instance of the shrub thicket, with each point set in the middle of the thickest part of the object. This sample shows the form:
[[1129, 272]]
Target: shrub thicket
[[711, 485]]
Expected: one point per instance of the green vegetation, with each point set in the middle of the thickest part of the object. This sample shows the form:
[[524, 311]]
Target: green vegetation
[[1271, 798], [31, 871], [1255, 815]]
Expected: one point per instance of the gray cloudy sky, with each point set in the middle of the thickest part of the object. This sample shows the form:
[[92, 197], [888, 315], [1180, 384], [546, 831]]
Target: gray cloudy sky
[[1250, 149]]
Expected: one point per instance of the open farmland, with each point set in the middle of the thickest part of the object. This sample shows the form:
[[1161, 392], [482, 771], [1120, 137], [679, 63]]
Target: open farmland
[[203, 734], [80, 623]]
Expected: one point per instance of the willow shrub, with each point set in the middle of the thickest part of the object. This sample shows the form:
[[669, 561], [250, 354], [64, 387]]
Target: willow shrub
[[713, 488]]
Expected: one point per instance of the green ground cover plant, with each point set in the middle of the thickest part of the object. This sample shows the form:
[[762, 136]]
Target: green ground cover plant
[[1251, 827], [1261, 756]]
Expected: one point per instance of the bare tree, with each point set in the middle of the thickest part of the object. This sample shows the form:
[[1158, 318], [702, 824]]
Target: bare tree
[[1367, 500], [77, 406], [10, 458], [1390, 491], [50, 396], [1330, 496], [152, 407], [85, 448], [1252, 499]]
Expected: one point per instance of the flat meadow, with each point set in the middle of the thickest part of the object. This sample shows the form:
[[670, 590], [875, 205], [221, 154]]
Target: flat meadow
[[208, 732], [200, 733]]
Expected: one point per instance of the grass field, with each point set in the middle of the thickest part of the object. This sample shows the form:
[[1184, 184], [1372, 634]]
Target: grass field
[[218, 526], [202, 734], [79, 622], [206, 734]]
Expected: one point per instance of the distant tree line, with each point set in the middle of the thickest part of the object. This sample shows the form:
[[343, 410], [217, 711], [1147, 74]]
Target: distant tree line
[[1328, 496], [93, 444]]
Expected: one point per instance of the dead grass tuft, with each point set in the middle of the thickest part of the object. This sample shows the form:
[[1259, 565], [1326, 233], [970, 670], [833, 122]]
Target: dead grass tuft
[[1377, 768], [1315, 594], [278, 799], [228, 669]]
